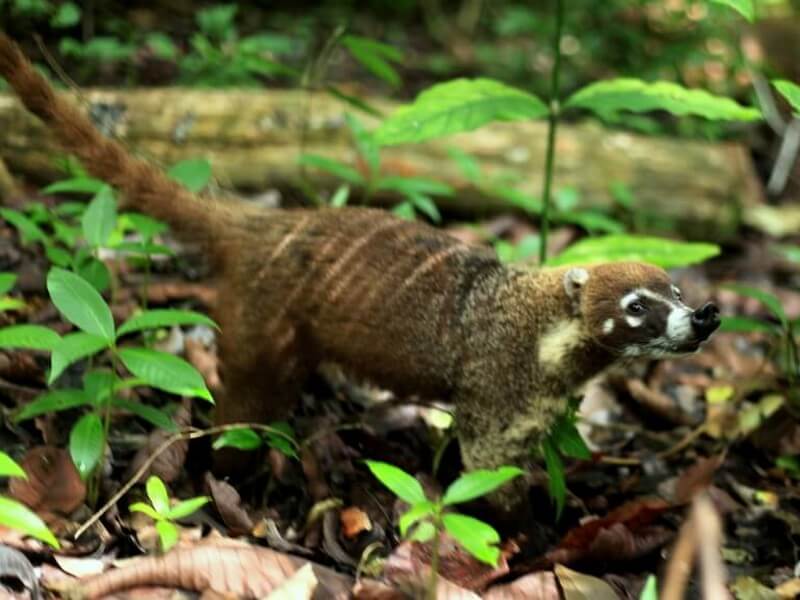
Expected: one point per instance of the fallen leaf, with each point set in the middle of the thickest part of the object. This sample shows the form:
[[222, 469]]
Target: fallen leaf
[[578, 586], [299, 586], [536, 586], [228, 503], [15, 565], [53, 484]]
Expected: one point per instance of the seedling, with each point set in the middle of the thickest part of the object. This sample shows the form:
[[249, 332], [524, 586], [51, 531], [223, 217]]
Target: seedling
[[163, 513]]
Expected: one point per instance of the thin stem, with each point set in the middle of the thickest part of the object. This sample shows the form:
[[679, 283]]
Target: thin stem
[[552, 124], [434, 581]]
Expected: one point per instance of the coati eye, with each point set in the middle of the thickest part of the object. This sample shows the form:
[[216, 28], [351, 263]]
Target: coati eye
[[636, 307], [677, 292]]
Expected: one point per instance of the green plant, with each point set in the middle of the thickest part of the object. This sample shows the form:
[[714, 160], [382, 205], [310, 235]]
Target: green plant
[[432, 516], [163, 513], [18, 516], [278, 435], [650, 589]]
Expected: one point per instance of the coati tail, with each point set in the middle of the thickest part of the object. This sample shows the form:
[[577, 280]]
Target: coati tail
[[145, 187]]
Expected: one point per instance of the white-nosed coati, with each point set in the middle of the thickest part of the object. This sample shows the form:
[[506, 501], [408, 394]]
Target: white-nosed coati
[[395, 301]]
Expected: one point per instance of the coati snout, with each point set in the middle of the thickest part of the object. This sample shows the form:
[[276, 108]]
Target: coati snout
[[636, 310]]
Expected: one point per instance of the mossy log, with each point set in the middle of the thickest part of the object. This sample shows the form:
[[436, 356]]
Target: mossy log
[[253, 140]]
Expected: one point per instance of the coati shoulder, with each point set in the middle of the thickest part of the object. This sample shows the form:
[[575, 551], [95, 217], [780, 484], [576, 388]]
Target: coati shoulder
[[394, 301]]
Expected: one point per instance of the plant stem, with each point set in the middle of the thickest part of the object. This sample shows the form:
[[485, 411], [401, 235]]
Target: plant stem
[[434, 581], [552, 124]]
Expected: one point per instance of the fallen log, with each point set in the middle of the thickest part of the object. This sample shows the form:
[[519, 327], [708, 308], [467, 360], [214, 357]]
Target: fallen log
[[253, 139]]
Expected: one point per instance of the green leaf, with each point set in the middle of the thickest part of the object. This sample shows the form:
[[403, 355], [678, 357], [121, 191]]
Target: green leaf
[[478, 483], [50, 402], [8, 303], [67, 15], [10, 468], [150, 414], [193, 173], [86, 443], [591, 220], [405, 210], [100, 217], [477, 537], [73, 347], [555, 471], [414, 514], [145, 509], [168, 533], [57, 255], [566, 437], [423, 532], [414, 185], [284, 443], [334, 167], [457, 106], [27, 229], [99, 384], [161, 45], [242, 438], [650, 589], [770, 301], [147, 227], [340, 197], [743, 7], [657, 251], [158, 495], [33, 337], [634, 95], [76, 185], [790, 91], [165, 317], [365, 142], [426, 206], [747, 325], [80, 303], [403, 485], [165, 371], [374, 56], [94, 271], [20, 517], [187, 507], [7, 281]]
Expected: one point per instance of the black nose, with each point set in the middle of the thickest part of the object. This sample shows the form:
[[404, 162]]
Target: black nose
[[705, 320]]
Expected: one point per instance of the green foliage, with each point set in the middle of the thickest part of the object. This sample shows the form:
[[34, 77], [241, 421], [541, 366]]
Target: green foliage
[[100, 218], [80, 304], [633, 95], [165, 371], [154, 319], [18, 516], [650, 589], [375, 56], [790, 91], [434, 516], [86, 443], [33, 337], [657, 251], [564, 440], [163, 513], [457, 106], [745, 8], [193, 173], [278, 435]]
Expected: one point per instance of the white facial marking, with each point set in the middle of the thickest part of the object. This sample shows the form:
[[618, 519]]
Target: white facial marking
[[558, 341], [679, 324], [634, 321], [608, 326], [628, 298]]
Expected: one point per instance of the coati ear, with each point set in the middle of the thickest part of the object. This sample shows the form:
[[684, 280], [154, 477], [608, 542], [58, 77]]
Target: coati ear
[[574, 280]]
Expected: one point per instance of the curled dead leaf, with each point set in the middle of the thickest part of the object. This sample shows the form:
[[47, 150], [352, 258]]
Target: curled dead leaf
[[53, 484], [228, 503]]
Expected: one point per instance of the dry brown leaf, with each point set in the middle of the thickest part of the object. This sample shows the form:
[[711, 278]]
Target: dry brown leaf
[[354, 521], [169, 464], [299, 586], [228, 503], [80, 566], [536, 586], [53, 484], [578, 586], [222, 567], [167, 291]]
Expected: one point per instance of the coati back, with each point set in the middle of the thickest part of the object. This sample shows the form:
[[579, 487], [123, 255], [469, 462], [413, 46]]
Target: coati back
[[395, 301]]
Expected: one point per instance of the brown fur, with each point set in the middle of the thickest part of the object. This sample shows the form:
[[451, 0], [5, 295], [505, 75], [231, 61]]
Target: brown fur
[[395, 301]]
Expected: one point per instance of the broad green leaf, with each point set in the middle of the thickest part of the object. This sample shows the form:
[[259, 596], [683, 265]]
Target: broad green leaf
[[284, 443], [334, 167], [94, 271], [7, 303], [457, 106], [374, 56], [145, 509], [242, 438], [566, 437], [10, 468], [168, 533], [477, 537], [414, 514], [165, 317], [150, 414], [99, 384], [743, 7], [790, 91], [33, 337], [193, 173], [20, 517], [747, 325], [555, 471], [165, 371], [423, 532], [73, 347], [86, 443], [187, 507], [57, 255], [50, 402], [7, 281], [770, 301], [147, 227], [76, 185], [100, 217], [650, 589], [403, 485], [27, 229], [634, 95], [478, 483], [657, 251], [158, 495], [80, 303]]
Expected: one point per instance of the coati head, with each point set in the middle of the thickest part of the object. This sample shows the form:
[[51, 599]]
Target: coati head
[[634, 310]]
